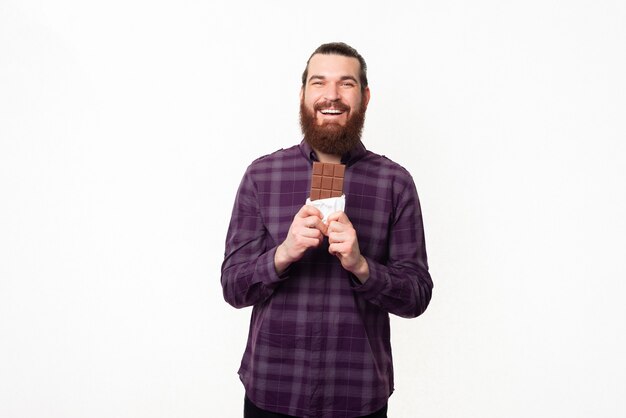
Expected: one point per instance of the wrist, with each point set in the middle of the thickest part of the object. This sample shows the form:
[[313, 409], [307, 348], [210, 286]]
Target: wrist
[[361, 270], [281, 259]]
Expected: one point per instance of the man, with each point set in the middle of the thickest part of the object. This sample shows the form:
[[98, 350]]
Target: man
[[319, 339]]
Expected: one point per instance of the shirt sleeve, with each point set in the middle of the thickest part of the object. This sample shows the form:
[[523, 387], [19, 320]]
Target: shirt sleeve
[[402, 285], [248, 273]]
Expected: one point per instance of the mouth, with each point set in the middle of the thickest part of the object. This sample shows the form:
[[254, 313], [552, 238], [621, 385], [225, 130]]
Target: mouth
[[331, 112], [334, 112]]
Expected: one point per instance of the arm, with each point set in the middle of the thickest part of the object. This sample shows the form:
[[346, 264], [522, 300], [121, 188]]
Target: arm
[[402, 285], [251, 270], [248, 274]]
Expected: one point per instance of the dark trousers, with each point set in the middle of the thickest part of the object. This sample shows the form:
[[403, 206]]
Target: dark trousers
[[250, 410]]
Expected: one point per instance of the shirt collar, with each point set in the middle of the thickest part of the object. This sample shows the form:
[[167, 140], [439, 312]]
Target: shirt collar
[[354, 155]]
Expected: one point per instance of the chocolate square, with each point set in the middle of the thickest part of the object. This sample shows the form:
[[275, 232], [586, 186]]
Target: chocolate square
[[327, 180]]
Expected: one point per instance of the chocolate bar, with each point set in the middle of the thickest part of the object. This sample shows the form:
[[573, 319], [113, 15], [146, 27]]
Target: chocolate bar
[[327, 180]]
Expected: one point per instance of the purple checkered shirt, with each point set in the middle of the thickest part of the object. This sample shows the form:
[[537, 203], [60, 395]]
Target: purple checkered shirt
[[319, 340]]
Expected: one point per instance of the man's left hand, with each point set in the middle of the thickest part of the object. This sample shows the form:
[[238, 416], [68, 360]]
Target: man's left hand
[[345, 246]]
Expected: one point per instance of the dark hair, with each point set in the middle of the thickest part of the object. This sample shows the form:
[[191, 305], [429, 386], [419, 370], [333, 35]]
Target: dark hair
[[339, 48]]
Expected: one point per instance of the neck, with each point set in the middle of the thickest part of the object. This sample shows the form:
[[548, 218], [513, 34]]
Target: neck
[[328, 158]]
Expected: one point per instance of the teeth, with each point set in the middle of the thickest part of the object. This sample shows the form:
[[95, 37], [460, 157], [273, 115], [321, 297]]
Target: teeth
[[331, 111]]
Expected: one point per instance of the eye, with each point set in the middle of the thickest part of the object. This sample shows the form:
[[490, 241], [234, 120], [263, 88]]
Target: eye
[[347, 84]]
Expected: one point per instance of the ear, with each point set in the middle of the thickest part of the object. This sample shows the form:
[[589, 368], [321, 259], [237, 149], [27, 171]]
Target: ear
[[302, 93], [366, 97]]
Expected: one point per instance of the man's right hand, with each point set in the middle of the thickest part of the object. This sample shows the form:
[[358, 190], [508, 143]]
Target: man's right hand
[[306, 231]]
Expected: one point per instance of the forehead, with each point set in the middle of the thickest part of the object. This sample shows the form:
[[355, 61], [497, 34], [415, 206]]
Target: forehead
[[333, 66]]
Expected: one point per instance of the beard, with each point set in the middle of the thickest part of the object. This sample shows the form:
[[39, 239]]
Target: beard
[[332, 138]]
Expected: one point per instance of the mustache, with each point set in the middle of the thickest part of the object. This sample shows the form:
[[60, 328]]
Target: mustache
[[331, 105]]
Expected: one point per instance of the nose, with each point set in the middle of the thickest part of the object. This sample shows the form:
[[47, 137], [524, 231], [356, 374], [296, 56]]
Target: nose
[[331, 93]]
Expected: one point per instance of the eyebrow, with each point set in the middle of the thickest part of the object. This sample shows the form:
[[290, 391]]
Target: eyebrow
[[342, 78]]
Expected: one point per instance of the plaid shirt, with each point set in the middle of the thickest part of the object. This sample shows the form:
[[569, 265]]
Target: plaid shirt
[[319, 340]]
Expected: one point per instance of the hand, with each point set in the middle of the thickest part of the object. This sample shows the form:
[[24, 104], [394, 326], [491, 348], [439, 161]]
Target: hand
[[344, 244], [306, 231]]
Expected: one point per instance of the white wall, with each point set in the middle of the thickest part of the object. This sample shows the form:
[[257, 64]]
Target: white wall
[[125, 127]]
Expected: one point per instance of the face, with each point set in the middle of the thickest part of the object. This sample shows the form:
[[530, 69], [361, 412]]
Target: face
[[332, 92], [332, 106]]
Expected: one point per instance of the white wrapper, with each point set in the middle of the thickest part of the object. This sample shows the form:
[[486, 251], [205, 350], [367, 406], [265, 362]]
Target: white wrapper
[[328, 206]]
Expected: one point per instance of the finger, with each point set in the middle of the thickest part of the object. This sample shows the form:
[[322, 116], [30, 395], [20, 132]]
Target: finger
[[310, 233], [339, 216], [336, 249], [316, 223], [335, 237], [336, 226], [308, 210], [310, 242], [311, 221]]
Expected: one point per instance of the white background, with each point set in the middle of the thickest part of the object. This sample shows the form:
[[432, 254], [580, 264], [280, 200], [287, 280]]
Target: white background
[[125, 127]]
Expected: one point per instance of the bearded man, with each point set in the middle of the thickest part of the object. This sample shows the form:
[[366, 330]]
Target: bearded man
[[322, 288]]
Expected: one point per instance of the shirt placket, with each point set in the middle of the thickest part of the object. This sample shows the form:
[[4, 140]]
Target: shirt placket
[[318, 345]]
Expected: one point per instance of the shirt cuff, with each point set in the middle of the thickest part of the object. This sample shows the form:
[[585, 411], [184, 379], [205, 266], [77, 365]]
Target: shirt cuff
[[265, 268], [376, 282]]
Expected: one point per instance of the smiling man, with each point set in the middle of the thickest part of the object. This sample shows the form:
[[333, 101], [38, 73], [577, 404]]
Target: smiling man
[[322, 290]]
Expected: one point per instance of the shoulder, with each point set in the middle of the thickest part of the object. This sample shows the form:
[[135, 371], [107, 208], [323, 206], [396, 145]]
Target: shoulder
[[380, 166], [277, 159]]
